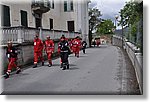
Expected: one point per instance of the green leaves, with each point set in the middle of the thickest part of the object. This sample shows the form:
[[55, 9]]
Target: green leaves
[[131, 13], [94, 18], [105, 27]]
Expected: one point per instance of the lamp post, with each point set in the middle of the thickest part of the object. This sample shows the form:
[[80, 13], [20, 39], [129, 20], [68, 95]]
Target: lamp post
[[116, 17]]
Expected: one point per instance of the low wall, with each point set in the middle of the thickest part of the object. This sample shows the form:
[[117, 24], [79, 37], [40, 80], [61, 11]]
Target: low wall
[[135, 57], [117, 41], [137, 61]]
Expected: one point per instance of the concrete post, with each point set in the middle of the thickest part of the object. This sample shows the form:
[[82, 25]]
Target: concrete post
[[40, 33], [20, 35]]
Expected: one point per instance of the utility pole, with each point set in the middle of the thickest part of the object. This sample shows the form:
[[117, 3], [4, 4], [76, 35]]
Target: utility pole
[[122, 34]]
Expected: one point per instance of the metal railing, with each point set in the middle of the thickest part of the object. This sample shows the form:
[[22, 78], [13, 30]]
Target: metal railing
[[21, 34]]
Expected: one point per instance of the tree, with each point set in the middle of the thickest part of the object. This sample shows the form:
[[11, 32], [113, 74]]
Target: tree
[[132, 15], [105, 27], [94, 20]]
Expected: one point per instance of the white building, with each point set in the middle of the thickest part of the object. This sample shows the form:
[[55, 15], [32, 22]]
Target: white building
[[65, 15], [139, 1]]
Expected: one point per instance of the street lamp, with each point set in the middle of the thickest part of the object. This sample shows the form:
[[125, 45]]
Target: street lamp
[[116, 17]]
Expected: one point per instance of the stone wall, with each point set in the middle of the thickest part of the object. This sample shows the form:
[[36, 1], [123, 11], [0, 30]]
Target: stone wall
[[135, 57]]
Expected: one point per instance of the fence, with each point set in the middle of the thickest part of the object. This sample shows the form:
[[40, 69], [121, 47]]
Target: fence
[[21, 34]]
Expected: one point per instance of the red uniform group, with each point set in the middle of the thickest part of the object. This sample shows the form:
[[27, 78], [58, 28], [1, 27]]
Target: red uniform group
[[38, 50], [48, 46]]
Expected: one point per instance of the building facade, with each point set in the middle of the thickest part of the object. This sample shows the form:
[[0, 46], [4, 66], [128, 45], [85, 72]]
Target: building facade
[[63, 15]]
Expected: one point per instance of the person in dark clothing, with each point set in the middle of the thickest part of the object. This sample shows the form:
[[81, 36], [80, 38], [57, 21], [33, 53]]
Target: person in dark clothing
[[11, 53], [94, 43], [64, 52], [84, 44]]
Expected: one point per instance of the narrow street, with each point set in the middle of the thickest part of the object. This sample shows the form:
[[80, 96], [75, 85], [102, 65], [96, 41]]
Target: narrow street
[[103, 70]]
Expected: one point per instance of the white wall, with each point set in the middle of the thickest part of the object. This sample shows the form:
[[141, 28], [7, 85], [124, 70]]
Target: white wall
[[15, 15]]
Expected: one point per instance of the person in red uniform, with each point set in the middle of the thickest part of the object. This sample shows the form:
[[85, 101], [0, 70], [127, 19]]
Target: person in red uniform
[[76, 46], [38, 49], [49, 48], [11, 53], [98, 42], [71, 45]]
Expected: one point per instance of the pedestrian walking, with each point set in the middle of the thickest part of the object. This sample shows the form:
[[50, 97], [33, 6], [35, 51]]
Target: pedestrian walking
[[84, 44], [11, 53], [49, 49], [63, 36], [38, 49], [64, 52], [76, 46], [71, 44]]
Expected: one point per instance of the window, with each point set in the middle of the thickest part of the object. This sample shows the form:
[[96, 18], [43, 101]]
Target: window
[[51, 24], [70, 26], [65, 6], [52, 4], [68, 5], [24, 20], [5, 16], [38, 21], [71, 5]]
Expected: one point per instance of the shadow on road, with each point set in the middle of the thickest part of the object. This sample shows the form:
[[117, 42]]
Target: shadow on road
[[73, 68], [59, 65]]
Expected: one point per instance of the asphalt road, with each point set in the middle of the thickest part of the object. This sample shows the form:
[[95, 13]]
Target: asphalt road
[[99, 71]]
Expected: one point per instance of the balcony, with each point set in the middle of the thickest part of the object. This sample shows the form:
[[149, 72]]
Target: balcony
[[40, 7]]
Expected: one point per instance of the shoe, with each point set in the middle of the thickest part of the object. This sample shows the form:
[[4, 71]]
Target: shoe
[[49, 65], [64, 67], [42, 63], [61, 65], [6, 75], [35, 66], [68, 66], [18, 71]]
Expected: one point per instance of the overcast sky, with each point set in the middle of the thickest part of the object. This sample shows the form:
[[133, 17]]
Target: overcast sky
[[108, 8]]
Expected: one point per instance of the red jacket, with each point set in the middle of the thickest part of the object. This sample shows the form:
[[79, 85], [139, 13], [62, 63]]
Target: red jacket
[[38, 45], [76, 43], [49, 46]]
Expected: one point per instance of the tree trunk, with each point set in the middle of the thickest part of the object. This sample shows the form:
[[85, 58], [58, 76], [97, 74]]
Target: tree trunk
[[90, 38]]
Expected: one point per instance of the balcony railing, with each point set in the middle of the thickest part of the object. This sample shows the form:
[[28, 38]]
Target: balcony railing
[[40, 6], [25, 35]]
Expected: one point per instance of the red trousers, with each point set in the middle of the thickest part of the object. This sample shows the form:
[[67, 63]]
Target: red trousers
[[38, 55], [49, 56], [76, 51], [12, 64]]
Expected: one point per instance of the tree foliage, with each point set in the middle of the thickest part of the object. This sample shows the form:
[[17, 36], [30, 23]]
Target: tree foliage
[[131, 13], [105, 27], [94, 20], [132, 16]]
